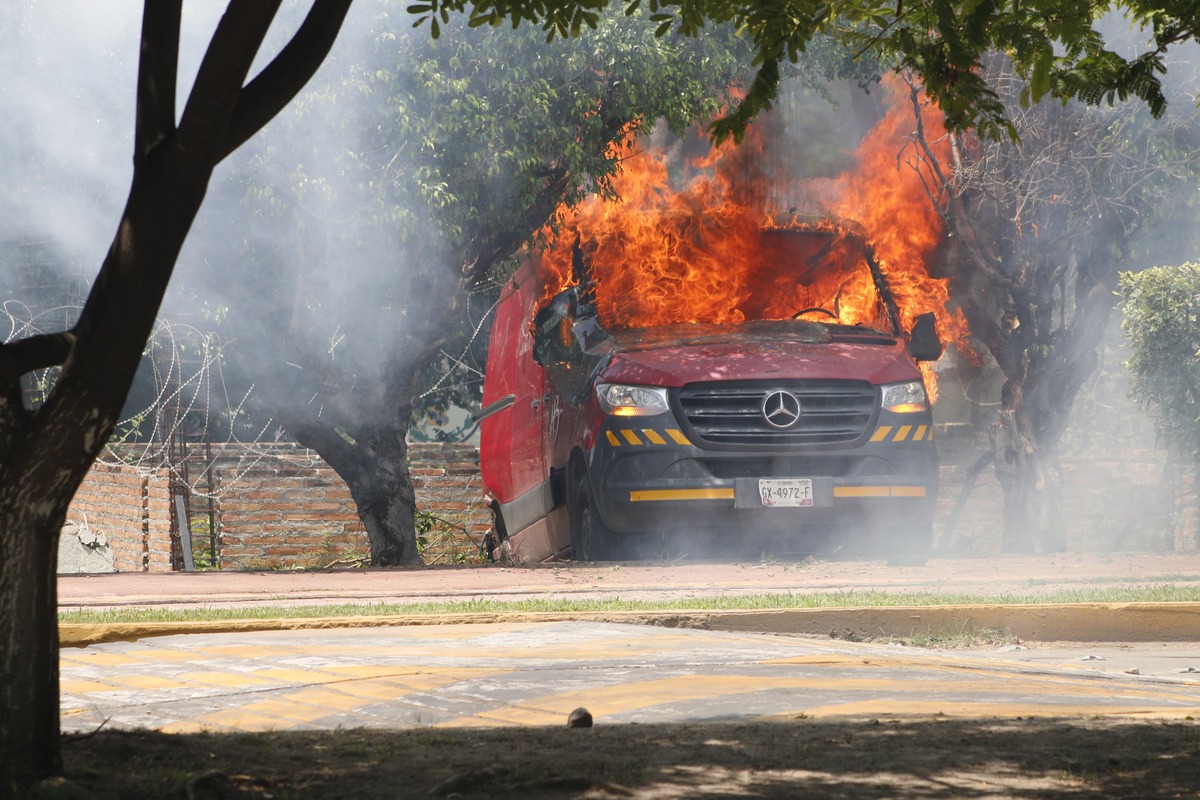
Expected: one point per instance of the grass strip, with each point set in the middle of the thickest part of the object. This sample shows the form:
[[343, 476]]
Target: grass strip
[[1165, 593]]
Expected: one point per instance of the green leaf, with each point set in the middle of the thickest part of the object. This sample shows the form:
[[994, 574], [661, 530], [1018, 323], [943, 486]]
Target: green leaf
[[1039, 79]]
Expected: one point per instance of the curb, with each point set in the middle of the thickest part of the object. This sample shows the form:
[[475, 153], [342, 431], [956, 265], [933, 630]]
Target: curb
[[1073, 622]]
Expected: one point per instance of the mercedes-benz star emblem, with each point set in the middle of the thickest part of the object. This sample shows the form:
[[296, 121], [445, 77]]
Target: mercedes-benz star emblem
[[781, 409]]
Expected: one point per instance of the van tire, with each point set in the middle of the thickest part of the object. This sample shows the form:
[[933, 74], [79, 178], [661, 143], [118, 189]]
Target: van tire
[[492, 547], [590, 539]]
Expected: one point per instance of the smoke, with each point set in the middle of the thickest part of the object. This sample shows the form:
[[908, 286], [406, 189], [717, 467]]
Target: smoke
[[279, 210], [406, 164], [306, 249], [68, 81], [1172, 237]]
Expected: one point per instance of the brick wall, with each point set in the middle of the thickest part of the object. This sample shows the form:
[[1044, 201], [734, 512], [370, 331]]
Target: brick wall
[[270, 517], [131, 509], [1114, 500], [279, 506], [449, 490], [288, 509]]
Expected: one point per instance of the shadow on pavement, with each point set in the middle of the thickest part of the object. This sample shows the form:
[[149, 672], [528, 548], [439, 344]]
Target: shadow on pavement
[[1044, 759]]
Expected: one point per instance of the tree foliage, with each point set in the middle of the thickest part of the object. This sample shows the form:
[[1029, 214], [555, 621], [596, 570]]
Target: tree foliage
[[1054, 45], [1162, 327]]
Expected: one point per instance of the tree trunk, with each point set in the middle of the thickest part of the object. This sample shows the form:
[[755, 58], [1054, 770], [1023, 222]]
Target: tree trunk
[[1031, 477], [48, 453], [375, 469], [45, 454], [1043, 379], [28, 640], [373, 461], [382, 488]]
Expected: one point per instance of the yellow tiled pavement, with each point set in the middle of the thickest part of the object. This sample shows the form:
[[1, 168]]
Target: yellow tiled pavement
[[534, 674]]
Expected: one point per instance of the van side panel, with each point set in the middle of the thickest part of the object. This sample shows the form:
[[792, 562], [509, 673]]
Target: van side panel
[[510, 448]]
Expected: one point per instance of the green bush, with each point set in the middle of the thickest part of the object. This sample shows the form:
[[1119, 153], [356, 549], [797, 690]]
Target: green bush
[[1162, 326]]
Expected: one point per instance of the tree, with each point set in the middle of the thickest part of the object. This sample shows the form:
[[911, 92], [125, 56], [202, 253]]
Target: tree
[[452, 154], [45, 454], [1162, 327], [1054, 46], [1041, 228]]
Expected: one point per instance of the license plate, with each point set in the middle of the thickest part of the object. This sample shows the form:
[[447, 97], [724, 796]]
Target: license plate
[[794, 493]]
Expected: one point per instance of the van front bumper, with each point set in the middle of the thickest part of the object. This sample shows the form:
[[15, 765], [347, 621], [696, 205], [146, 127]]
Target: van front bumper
[[647, 476]]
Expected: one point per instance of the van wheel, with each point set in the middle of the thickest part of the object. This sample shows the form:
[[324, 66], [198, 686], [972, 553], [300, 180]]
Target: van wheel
[[494, 541], [590, 539]]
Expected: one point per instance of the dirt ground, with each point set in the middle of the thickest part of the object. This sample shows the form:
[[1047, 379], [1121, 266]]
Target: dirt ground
[[855, 759]]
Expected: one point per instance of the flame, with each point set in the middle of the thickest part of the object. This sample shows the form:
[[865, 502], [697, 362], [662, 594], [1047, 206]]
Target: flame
[[721, 250], [889, 194]]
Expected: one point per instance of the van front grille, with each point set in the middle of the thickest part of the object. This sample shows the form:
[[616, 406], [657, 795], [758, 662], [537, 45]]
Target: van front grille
[[731, 413], [814, 466]]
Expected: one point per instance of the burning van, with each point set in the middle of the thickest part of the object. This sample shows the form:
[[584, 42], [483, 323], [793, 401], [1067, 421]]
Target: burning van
[[783, 399]]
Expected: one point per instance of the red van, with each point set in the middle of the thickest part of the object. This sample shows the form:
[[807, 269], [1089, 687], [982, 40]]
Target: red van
[[810, 429]]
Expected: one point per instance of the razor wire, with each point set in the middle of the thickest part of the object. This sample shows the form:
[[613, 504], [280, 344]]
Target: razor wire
[[190, 391]]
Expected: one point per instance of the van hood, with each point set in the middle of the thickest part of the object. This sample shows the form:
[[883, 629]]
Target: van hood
[[676, 355]]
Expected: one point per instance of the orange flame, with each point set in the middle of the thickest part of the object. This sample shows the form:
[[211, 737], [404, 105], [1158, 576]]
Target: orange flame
[[889, 194], [719, 250]]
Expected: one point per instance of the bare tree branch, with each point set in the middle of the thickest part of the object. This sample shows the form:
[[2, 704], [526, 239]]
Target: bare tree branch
[[35, 352], [925, 155], [157, 74], [280, 81], [204, 126]]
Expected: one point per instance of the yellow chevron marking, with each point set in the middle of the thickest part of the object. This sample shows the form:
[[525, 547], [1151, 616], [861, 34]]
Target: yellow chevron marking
[[612, 439], [920, 434], [881, 433], [902, 434], [653, 436], [681, 494], [631, 437], [678, 436]]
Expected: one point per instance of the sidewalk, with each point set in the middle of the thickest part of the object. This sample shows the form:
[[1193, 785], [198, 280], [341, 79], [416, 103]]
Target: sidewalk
[[1026, 575], [1029, 577]]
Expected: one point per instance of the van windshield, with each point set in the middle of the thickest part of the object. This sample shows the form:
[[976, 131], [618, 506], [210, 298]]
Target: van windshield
[[820, 274]]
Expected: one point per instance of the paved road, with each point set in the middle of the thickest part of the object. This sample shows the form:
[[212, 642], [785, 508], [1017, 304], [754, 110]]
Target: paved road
[[535, 674]]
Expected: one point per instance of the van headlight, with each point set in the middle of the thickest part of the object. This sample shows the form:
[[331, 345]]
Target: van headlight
[[622, 400], [904, 398]]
